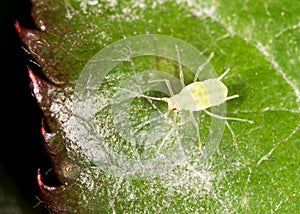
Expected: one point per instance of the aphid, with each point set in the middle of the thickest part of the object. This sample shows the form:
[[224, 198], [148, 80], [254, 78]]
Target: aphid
[[198, 96]]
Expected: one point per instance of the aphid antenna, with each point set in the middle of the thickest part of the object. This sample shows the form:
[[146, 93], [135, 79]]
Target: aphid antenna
[[181, 75], [165, 99], [153, 98], [227, 118]]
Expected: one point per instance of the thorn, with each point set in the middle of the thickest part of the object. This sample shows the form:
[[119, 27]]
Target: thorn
[[18, 27], [31, 76], [35, 85], [43, 130], [41, 184]]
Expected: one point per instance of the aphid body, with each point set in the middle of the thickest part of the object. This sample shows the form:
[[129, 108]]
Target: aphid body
[[200, 95]]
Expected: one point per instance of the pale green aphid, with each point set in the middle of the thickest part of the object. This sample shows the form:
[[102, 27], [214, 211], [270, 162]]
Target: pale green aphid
[[198, 96]]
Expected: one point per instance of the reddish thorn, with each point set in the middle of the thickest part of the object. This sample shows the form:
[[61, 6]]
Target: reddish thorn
[[30, 73], [35, 85], [43, 130], [32, 77], [18, 27], [173, 109], [41, 183], [39, 178]]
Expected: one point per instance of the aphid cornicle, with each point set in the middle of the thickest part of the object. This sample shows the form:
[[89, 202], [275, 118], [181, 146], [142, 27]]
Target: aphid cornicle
[[198, 96]]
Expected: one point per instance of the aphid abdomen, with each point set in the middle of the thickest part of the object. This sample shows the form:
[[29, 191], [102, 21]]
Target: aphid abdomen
[[198, 96], [216, 90], [193, 97]]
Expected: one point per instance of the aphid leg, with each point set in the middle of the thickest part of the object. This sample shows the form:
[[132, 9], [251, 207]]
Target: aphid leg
[[181, 75], [167, 82], [224, 74], [196, 124], [201, 67], [232, 97], [165, 139], [227, 118]]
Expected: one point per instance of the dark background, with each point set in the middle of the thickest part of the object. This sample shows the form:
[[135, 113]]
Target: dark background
[[21, 152]]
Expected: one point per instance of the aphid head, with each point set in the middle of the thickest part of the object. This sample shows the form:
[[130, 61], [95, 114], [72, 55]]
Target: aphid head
[[172, 105]]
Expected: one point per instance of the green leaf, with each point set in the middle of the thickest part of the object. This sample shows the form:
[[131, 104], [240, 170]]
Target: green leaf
[[254, 168]]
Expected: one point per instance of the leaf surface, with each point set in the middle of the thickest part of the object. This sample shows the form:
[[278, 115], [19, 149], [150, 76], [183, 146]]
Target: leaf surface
[[255, 167]]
